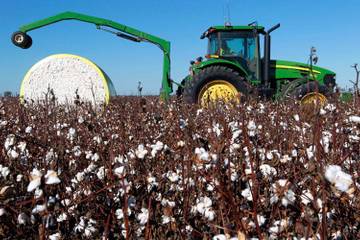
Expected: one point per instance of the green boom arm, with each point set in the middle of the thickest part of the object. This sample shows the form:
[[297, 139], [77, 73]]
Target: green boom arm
[[134, 35]]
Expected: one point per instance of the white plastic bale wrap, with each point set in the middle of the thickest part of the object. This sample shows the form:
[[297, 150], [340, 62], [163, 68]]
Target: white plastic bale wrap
[[66, 77]]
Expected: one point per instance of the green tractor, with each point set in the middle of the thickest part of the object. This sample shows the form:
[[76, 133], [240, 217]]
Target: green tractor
[[234, 68]]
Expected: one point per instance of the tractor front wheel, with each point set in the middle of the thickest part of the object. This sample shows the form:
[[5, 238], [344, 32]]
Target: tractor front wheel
[[311, 93], [21, 39], [215, 83]]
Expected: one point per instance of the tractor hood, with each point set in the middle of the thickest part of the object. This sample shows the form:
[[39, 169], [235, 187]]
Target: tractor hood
[[282, 69]]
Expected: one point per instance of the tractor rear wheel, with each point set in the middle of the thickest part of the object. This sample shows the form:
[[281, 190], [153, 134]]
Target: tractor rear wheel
[[215, 83]]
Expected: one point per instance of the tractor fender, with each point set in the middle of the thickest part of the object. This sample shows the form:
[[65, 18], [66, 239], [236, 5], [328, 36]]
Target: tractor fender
[[220, 62]]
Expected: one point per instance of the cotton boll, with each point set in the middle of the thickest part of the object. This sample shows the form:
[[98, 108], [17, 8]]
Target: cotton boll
[[89, 230], [62, 217], [261, 219], [217, 129], [354, 119], [310, 151], [71, 134], [336, 176], [296, 117], [331, 172], [23, 219], [209, 214], [269, 156], [306, 197], [202, 154], [55, 236], [200, 207], [22, 147], [322, 111], [35, 180], [156, 148], [220, 237], [141, 151], [9, 142], [330, 107], [343, 181], [77, 151], [207, 202], [247, 194], [285, 159], [209, 188], [267, 170], [282, 182], [4, 171], [2, 212], [51, 177], [119, 214], [38, 193], [13, 154], [252, 128], [172, 176], [101, 173], [19, 177], [95, 157], [167, 219], [289, 197], [97, 139], [274, 198], [181, 144], [143, 216], [38, 209]]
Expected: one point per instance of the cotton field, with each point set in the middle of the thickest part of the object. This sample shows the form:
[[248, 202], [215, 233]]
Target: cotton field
[[141, 169]]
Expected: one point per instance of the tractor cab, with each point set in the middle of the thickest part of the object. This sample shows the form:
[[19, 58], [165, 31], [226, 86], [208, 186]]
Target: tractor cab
[[238, 44]]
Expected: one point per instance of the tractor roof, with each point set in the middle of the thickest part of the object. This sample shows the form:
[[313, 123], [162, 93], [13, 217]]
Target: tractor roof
[[212, 29]]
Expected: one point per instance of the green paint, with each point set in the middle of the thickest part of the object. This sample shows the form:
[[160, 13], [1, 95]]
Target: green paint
[[141, 36], [223, 62]]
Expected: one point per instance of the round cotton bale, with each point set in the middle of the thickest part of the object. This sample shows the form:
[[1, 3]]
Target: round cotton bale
[[66, 79]]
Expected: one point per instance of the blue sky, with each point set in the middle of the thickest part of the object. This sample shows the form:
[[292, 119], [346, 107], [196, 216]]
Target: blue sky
[[331, 26]]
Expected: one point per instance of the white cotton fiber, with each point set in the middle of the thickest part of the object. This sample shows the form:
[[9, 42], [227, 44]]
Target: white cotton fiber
[[65, 76]]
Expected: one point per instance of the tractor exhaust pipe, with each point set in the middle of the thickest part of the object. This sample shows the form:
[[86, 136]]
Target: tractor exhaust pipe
[[267, 56]]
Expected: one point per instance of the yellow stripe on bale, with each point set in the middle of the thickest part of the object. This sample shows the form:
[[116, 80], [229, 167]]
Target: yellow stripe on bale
[[65, 55]]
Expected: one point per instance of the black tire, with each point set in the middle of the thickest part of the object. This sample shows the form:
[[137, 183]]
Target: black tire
[[180, 89], [193, 87], [21, 39], [299, 92]]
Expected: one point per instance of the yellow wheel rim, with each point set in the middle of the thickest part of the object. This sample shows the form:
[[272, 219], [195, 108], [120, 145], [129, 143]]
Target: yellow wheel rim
[[314, 98], [218, 90]]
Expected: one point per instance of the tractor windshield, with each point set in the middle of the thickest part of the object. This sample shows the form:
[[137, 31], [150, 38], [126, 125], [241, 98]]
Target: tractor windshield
[[238, 46], [233, 44]]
